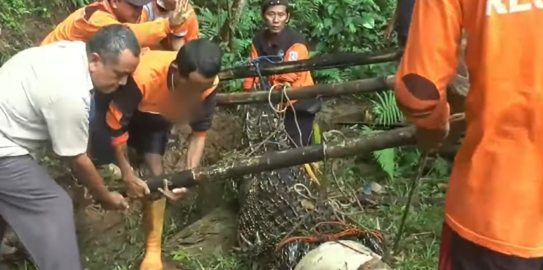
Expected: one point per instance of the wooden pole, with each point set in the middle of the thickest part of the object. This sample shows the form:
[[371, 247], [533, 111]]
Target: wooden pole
[[287, 158], [319, 90], [340, 60]]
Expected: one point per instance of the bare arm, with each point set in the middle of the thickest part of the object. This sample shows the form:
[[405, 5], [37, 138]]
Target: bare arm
[[195, 151], [121, 156], [69, 134], [200, 127], [86, 173]]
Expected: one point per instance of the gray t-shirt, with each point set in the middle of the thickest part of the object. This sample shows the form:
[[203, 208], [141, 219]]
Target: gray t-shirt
[[45, 96]]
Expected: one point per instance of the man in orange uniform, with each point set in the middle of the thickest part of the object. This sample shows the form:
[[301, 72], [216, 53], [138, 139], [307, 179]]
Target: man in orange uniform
[[159, 9], [494, 205], [167, 87], [283, 42], [84, 22]]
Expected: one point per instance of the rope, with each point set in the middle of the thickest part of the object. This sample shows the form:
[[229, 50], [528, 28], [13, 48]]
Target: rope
[[264, 85], [272, 59], [349, 231], [280, 110]]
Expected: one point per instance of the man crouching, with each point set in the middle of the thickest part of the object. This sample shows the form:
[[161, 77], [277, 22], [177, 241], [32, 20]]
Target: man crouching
[[166, 88]]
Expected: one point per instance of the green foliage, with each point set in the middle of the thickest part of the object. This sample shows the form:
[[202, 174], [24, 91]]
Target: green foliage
[[385, 109], [22, 22], [329, 27], [386, 158], [80, 3]]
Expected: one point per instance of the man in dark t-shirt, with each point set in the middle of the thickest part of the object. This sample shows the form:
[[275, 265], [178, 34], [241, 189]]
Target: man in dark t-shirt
[[400, 21]]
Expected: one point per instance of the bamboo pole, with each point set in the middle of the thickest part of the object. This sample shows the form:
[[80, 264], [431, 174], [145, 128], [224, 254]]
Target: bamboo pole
[[340, 60], [287, 158], [319, 90]]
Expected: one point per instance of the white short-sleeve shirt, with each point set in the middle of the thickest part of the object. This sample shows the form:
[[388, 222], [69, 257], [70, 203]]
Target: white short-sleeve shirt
[[45, 95]]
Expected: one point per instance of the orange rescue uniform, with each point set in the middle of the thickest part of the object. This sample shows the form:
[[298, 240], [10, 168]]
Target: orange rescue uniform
[[152, 97], [85, 22], [291, 46], [495, 194], [189, 30]]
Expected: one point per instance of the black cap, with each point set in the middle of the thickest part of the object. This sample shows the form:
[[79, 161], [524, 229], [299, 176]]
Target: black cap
[[269, 3]]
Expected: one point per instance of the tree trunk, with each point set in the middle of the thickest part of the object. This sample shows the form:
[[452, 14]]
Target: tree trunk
[[340, 60], [319, 90]]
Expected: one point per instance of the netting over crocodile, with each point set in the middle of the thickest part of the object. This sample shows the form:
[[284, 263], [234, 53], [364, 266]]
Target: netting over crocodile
[[282, 214]]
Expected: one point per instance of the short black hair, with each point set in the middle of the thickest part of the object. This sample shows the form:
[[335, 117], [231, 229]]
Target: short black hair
[[199, 55], [110, 41], [269, 3]]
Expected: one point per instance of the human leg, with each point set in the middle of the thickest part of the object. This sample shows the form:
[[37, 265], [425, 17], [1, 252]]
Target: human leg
[[299, 127], [153, 223], [149, 138], [100, 149], [40, 212], [153, 218], [457, 253]]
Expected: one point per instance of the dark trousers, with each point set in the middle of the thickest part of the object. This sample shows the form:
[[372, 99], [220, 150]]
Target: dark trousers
[[148, 134], [40, 212], [302, 136], [457, 253], [402, 41]]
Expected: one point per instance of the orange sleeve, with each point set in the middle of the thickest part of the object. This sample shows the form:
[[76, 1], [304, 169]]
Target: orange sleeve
[[429, 62], [144, 17], [148, 33], [122, 107], [249, 83], [113, 119], [188, 30], [204, 120], [297, 52]]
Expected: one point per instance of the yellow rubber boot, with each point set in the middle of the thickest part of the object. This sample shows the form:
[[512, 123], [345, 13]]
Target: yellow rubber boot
[[153, 222], [309, 170]]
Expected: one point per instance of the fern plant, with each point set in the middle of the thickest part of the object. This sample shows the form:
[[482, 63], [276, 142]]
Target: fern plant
[[386, 113], [385, 109], [386, 158]]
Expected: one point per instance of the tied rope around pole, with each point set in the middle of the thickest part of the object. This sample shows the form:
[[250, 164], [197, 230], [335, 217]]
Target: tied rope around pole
[[272, 59], [265, 85]]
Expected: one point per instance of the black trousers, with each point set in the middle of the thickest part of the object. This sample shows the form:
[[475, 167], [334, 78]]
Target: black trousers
[[457, 253], [148, 134], [302, 136]]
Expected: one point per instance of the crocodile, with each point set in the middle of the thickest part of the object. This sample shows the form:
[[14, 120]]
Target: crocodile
[[278, 204]]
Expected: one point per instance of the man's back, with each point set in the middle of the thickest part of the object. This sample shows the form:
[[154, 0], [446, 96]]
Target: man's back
[[34, 80], [494, 197], [498, 172]]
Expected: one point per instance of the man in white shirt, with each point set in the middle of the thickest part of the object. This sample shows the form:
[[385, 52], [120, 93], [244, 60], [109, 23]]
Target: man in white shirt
[[45, 95]]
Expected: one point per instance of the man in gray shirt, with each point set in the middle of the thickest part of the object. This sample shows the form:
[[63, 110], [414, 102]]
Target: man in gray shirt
[[45, 95]]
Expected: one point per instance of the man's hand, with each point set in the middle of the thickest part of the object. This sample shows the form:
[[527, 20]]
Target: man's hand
[[180, 14], [114, 201], [135, 187], [428, 140], [388, 31], [172, 195]]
